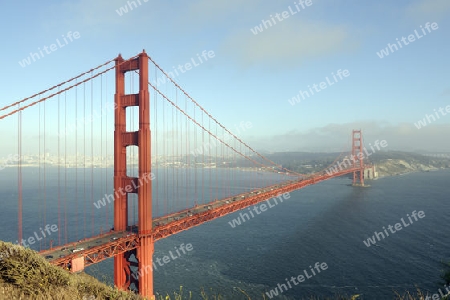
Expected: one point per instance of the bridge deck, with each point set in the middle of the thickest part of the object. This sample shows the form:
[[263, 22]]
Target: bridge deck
[[108, 245]]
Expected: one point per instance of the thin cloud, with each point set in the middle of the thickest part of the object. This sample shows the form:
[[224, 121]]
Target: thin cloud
[[428, 10], [291, 42]]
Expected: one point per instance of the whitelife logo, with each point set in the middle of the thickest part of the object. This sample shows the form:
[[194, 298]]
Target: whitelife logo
[[186, 66], [397, 226], [411, 38], [31, 240], [34, 56], [431, 118], [437, 297], [265, 24], [165, 259], [214, 143], [341, 74], [262, 208], [297, 280], [130, 4], [361, 155], [123, 191]]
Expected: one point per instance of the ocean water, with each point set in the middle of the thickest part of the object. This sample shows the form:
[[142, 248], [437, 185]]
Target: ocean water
[[325, 223]]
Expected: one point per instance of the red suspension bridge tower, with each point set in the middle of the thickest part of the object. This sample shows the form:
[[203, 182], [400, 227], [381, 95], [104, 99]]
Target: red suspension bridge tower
[[123, 276], [358, 155]]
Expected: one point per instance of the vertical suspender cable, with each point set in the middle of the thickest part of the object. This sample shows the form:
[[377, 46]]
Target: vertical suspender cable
[[101, 141], [165, 167], [84, 159], [76, 163], [217, 169], [132, 156], [203, 162], [45, 172], [59, 170], [223, 177], [210, 162], [92, 154], [175, 141], [40, 182], [195, 162], [156, 143], [19, 174], [65, 168], [188, 156], [106, 149], [173, 158]]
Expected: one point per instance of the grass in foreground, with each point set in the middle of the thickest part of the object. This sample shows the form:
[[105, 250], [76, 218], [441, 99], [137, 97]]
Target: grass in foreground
[[26, 275]]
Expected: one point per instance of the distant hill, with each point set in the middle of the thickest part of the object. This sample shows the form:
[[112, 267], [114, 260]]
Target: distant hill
[[387, 162], [396, 163]]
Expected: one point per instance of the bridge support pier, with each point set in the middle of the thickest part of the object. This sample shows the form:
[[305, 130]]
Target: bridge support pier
[[123, 275], [77, 264]]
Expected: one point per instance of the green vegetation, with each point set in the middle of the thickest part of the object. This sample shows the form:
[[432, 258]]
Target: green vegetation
[[26, 275], [446, 273]]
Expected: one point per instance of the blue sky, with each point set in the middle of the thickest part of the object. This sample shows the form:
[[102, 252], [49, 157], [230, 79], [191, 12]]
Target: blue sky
[[252, 77]]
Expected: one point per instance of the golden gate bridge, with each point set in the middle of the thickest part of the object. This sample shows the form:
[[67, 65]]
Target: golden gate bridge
[[159, 188]]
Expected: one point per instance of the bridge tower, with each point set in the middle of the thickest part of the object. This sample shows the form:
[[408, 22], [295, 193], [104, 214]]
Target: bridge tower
[[123, 274], [358, 154]]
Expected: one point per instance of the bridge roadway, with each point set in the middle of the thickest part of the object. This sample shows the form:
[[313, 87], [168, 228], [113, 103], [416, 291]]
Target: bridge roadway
[[108, 245]]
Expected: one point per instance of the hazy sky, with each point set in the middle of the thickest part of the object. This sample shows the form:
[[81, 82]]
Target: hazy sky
[[252, 77]]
